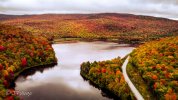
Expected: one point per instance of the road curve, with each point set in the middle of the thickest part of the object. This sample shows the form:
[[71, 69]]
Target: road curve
[[132, 87]]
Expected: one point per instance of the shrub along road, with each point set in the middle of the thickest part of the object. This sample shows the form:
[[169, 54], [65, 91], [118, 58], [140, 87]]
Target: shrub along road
[[132, 87]]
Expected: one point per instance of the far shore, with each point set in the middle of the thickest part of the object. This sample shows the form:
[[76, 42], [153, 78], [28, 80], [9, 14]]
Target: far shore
[[75, 40]]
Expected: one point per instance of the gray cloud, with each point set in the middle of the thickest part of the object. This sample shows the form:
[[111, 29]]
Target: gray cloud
[[160, 8]]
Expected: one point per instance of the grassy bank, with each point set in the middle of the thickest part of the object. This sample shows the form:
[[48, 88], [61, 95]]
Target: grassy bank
[[139, 83]]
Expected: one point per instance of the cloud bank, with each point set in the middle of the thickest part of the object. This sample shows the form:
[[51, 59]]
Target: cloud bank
[[160, 8]]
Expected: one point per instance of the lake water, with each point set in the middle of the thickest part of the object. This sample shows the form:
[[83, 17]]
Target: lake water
[[63, 81]]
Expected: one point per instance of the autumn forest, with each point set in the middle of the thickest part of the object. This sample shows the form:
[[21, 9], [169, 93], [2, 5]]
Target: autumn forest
[[26, 41]]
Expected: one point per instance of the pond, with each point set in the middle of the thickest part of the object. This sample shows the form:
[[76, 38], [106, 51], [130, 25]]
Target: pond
[[63, 81]]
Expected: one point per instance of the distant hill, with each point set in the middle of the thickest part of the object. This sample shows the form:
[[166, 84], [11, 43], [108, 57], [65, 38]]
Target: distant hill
[[125, 28], [6, 17]]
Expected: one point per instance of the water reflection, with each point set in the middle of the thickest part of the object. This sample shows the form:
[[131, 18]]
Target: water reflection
[[63, 81], [33, 70], [104, 92]]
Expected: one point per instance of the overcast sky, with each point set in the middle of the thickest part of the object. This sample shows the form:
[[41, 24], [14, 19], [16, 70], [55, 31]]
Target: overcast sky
[[160, 8]]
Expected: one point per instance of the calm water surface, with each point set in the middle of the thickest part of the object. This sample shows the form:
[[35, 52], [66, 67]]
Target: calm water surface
[[63, 81]]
